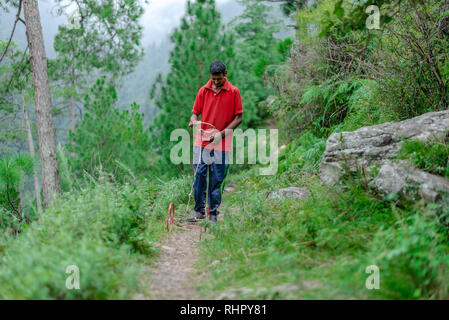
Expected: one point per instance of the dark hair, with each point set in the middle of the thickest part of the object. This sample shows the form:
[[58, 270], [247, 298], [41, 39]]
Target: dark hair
[[217, 67]]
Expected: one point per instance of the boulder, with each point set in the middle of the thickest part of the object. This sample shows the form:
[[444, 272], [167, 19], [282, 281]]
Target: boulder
[[292, 192], [403, 178], [377, 146]]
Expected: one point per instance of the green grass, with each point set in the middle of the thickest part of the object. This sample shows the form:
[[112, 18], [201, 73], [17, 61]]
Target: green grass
[[431, 156], [106, 230], [323, 245]]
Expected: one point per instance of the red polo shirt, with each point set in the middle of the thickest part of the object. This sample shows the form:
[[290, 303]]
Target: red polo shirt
[[217, 109]]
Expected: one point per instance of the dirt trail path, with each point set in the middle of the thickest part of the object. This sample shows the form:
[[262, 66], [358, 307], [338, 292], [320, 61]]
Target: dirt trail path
[[173, 276]]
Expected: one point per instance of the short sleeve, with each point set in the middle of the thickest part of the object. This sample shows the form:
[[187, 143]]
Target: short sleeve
[[238, 107], [198, 105]]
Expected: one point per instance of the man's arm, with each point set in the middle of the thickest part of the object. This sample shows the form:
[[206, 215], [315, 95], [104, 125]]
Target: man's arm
[[234, 124], [193, 120], [197, 107]]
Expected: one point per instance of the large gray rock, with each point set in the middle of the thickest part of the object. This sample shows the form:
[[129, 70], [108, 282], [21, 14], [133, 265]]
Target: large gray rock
[[376, 146], [403, 178]]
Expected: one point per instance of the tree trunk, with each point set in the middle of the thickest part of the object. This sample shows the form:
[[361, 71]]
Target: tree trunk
[[72, 120], [37, 188], [72, 114], [44, 119], [72, 100], [19, 218]]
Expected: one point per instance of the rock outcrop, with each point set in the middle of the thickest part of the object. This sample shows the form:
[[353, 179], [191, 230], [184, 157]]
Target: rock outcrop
[[410, 182], [376, 146]]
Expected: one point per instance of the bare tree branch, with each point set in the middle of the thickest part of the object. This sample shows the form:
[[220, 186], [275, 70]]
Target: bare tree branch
[[13, 30], [15, 70]]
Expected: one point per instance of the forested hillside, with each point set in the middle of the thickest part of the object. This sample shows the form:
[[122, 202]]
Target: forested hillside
[[357, 207]]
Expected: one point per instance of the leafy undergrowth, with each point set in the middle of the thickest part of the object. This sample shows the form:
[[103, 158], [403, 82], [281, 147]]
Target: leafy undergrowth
[[431, 156], [320, 248], [104, 229]]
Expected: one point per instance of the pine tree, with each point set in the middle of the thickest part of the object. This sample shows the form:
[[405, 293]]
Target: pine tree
[[108, 138], [13, 81], [256, 52], [27, 125], [290, 6], [44, 118], [13, 169], [103, 37], [197, 42]]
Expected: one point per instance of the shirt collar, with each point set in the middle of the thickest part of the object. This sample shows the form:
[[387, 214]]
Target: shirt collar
[[226, 86]]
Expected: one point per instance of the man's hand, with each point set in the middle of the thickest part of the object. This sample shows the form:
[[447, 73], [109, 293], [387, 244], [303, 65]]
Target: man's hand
[[193, 120], [193, 123], [215, 138]]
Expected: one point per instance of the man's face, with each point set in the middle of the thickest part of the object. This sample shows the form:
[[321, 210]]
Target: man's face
[[218, 80]]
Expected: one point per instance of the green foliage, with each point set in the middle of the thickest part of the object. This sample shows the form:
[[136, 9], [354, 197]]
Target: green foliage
[[414, 256], [107, 39], [334, 99], [310, 20], [14, 168], [347, 76], [101, 229], [325, 242], [13, 171], [175, 190], [105, 42], [15, 72], [290, 6], [332, 106], [409, 59], [347, 16], [301, 155], [67, 177], [270, 242], [364, 109], [197, 42], [406, 57], [337, 76], [14, 65], [431, 156], [314, 89], [257, 54], [107, 137]]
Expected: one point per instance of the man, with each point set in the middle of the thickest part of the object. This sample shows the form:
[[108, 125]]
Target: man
[[219, 104]]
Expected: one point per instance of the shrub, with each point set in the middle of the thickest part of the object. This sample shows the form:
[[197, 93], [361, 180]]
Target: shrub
[[13, 170], [107, 138], [431, 156], [331, 237], [102, 229], [413, 256], [302, 155]]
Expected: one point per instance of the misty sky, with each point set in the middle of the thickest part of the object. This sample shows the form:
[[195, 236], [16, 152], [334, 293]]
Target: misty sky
[[161, 16], [159, 20]]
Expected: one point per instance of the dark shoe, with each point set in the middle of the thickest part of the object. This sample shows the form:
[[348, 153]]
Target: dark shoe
[[196, 216], [213, 218]]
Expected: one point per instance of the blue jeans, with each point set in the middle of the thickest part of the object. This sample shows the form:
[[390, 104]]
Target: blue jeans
[[217, 163]]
